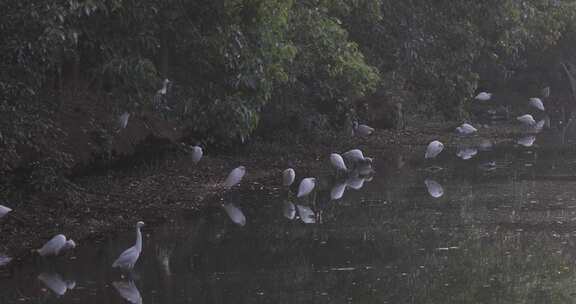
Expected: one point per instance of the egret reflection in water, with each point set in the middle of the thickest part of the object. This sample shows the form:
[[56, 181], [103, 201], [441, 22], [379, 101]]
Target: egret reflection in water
[[337, 191], [526, 141], [128, 291], [466, 153], [289, 210], [306, 214], [235, 214], [55, 283], [355, 182], [434, 188]]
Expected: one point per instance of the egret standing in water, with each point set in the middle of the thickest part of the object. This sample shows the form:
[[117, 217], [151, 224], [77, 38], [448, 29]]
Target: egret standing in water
[[434, 148], [362, 130], [483, 96], [56, 245], [537, 103], [466, 129], [288, 177], [527, 120], [4, 210], [235, 177], [306, 186], [338, 162], [197, 154], [129, 257]]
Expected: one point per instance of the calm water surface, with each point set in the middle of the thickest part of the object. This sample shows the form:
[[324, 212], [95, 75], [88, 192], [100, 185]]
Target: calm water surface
[[494, 226]]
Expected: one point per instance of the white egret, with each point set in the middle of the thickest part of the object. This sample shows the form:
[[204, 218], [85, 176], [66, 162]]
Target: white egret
[[362, 130], [289, 210], [197, 154], [55, 283], [128, 291], [235, 214], [537, 103], [434, 189], [526, 120], [483, 96], [337, 191], [466, 153], [123, 120], [129, 257], [306, 186], [466, 129], [338, 162], [56, 245], [434, 148], [527, 141], [4, 210], [306, 214], [288, 177], [235, 177]]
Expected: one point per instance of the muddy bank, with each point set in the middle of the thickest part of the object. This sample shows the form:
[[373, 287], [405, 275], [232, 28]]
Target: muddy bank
[[157, 190]]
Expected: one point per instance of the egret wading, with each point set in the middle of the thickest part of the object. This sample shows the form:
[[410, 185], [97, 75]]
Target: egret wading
[[197, 154], [527, 120], [129, 257], [483, 96], [434, 148], [466, 129], [306, 186], [362, 130], [56, 245], [234, 177]]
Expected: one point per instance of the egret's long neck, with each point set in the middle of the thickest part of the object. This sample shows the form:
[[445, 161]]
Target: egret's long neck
[[138, 239]]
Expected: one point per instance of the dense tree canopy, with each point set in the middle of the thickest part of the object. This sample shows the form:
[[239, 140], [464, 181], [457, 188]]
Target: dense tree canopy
[[235, 65]]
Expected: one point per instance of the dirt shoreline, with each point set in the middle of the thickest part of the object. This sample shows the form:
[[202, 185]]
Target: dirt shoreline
[[96, 206]]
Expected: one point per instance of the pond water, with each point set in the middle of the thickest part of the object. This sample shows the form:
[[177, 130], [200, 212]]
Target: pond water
[[495, 225]]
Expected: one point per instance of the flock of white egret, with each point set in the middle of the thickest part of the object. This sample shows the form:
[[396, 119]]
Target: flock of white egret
[[352, 164]]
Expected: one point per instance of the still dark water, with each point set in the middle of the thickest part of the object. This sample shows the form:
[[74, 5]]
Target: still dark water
[[496, 226]]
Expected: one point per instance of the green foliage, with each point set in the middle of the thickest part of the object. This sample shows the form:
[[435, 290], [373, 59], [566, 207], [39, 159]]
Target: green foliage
[[239, 64]]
